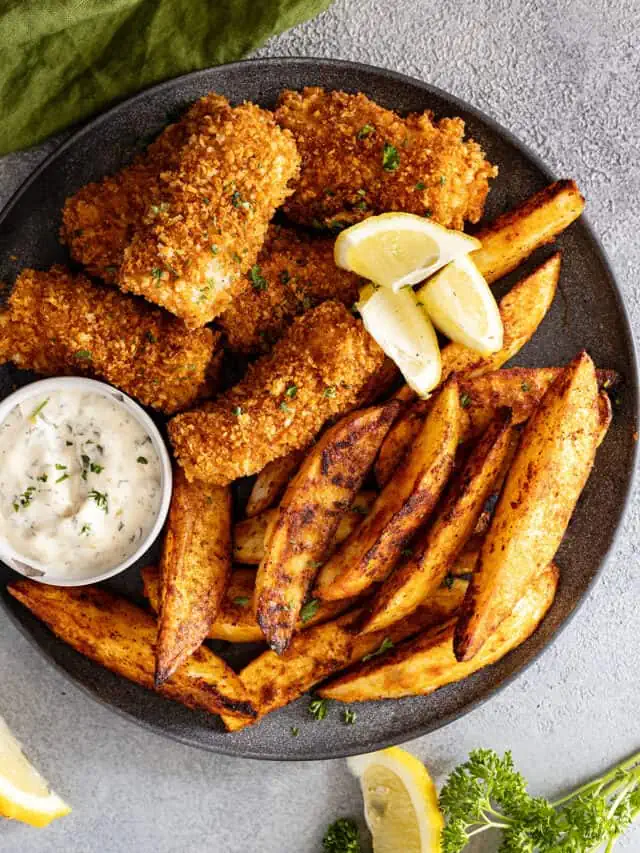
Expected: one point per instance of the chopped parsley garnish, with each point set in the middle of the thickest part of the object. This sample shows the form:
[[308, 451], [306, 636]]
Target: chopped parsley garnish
[[291, 391], [361, 192], [241, 600], [361, 205], [285, 277], [34, 414], [95, 468], [449, 580], [525, 386], [318, 708], [330, 391], [349, 717], [283, 406], [309, 610], [43, 477], [142, 460], [465, 401], [443, 180], [101, 499], [214, 249], [64, 477], [390, 157], [83, 354], [60, 467], [156, 273], [237, 200], [421, 186], [85, 530], [24, 499], [257, 279], [151, 338], [237, 411], [366, 130], [295, 731], [385, 646], [342, 836]]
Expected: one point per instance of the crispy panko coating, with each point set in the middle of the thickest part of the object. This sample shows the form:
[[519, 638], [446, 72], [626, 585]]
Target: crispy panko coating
[[60, 324], [294, 272], [359, 159], [211, 213], [315, 372], [99, 221]]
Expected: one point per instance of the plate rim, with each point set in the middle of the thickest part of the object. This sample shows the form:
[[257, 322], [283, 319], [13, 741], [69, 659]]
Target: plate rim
[[632, 381]]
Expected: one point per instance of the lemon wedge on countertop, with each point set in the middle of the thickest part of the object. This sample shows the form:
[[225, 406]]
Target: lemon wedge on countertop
[[405, 333], [400, 802], [461, 305], [24, 794], [399, 249]]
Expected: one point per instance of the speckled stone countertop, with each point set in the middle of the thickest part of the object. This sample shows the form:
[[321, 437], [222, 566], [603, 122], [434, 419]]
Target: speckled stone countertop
[[563, 76]]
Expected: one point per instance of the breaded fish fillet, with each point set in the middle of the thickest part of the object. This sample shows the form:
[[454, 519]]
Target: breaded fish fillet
[[99, 221], [294, 272], [60, 324], [211, 213], [315, 372], [359, 159]]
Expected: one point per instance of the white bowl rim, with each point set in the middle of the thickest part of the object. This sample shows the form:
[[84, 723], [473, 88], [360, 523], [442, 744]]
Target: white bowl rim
[[14, 559]]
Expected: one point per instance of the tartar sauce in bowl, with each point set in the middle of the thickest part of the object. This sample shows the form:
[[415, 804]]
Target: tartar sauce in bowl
[[83, 480]]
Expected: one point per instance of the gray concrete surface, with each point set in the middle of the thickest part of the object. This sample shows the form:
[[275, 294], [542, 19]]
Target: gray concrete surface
[[564, 77]]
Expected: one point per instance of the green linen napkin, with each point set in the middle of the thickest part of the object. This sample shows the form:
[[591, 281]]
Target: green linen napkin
[[64, 60]]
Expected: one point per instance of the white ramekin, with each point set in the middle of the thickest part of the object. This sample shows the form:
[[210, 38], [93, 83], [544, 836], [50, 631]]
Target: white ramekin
[[45, 574]]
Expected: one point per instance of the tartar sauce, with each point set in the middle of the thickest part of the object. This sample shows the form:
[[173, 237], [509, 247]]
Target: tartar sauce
[[80, 482]]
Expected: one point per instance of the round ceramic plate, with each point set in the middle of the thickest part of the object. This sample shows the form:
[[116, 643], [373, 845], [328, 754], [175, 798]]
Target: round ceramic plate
[[588, 312]]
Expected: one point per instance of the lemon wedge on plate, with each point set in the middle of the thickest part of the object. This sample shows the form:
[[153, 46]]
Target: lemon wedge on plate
[[403, 330], [398, 249], [461, 305], [24, 794], [400, 802]]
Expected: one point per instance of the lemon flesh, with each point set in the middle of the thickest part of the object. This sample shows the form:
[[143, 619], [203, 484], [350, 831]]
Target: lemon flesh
[[404, 332], [399, 249], [24, 794], [461, 305], [400, 801]]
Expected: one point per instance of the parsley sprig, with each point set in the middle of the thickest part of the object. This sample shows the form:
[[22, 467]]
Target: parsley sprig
[[487, 792]]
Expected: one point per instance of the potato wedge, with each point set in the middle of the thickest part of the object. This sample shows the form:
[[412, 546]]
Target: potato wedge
[[419, 576], [374, 548], [271, 482], [299, 538], [236, 621], [248, 535], [550, 469], [195, 567], [512, 237], [425, 663], [275, 680], [121, 637], [518, 388]]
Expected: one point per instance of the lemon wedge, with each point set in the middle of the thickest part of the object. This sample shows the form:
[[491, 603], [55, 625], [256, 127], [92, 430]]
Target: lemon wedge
[[398, 249], [404, 332], [400, 802], [461, 305], [24, 794]]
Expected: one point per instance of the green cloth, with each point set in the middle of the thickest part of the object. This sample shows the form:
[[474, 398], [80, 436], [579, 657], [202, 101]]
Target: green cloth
[[64, 60]]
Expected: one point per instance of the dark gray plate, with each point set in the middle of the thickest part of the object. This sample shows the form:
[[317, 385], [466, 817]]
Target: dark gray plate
[[588, 312]]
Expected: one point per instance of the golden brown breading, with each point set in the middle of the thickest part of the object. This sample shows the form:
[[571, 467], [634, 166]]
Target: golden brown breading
[[359, 159], [101, 218], [315, 372], [211, 213], [294, 272], [60, 324]]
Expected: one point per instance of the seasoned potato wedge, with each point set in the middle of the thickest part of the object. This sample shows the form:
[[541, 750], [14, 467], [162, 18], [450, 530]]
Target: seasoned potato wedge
[[236, 621], [420, 575], [425, 663], [549, 471], [374, 548], [512, 237], [275, 680], [299, 538], [271, 482], [195, 566], [121, 637], [249, 534], [517, 388]]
